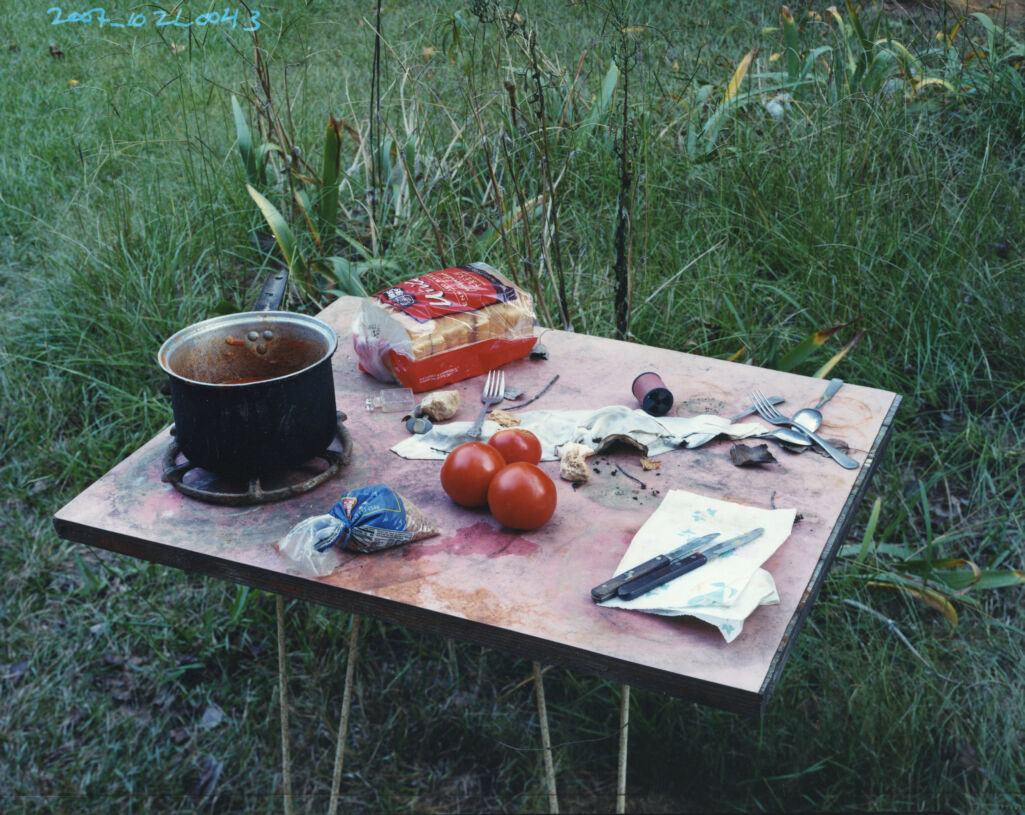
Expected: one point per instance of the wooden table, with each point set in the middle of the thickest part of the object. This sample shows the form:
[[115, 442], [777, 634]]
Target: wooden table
[[528, 593]]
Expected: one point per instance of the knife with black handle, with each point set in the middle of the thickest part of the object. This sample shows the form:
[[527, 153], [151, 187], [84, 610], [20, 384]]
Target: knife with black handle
[[657, 565], [645, 583]]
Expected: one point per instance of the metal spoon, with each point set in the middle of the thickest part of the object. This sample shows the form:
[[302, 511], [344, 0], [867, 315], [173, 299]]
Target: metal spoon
[[807, 418], [811, 418]]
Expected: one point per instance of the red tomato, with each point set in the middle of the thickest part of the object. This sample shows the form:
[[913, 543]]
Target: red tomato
[[468, 471], [517, 445], [522, 496]]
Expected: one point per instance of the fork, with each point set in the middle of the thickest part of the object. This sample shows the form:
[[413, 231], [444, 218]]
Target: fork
[[494, 392], [773, 416]]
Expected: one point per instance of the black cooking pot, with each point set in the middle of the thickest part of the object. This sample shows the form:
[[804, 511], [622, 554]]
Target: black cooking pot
[[252, 392]]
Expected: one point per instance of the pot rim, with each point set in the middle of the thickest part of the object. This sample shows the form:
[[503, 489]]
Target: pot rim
[[196, 331]]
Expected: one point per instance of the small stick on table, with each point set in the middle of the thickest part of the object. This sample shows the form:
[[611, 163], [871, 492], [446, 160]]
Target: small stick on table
[[631, 477], [537, 396]]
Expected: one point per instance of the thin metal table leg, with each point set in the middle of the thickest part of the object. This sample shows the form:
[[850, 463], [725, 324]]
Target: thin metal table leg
[[343, 725], [624, 737], [546, 741], [286, 759]]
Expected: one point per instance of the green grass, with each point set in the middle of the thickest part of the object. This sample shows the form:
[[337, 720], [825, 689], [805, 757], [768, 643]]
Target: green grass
[[124, 215]]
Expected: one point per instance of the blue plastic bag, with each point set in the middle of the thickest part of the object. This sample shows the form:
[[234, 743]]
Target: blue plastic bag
[[366, 519]]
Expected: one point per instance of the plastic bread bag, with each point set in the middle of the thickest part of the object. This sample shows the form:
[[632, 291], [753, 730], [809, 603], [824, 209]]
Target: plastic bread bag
[[442, 327], [366, 519]]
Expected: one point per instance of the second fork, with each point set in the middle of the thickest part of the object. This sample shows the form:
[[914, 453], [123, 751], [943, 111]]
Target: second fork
[[773, 416], [494, 392]]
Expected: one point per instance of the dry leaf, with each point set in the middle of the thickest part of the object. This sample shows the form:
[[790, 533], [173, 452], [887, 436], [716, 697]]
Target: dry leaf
[[648, 464], [743, 456]]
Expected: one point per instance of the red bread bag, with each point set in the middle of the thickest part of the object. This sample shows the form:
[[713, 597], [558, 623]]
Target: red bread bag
[[442, 327]]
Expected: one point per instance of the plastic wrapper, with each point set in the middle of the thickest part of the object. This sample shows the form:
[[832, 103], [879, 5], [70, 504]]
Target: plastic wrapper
[[443, 327], [367, 519]]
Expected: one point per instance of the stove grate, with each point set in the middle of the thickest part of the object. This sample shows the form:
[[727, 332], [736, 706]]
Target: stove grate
[[212, 488]]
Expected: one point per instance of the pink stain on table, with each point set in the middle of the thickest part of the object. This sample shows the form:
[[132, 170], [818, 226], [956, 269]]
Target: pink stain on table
[[478, 539], [529, 592]]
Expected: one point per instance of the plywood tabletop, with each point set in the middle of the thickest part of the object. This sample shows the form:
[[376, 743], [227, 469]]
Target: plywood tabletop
[[529, 593]]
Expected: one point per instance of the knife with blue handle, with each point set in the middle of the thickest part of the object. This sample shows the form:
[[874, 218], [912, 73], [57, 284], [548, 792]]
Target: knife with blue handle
[[645, 583], [657, 565]]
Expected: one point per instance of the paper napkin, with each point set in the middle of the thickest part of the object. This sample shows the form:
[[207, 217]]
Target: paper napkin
[[727, 589]]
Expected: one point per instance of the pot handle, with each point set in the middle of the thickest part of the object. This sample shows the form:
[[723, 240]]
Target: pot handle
[[273, 292]]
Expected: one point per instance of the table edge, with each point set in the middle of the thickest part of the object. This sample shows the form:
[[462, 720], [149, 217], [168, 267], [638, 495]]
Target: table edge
[[829, 552], [428, 621]]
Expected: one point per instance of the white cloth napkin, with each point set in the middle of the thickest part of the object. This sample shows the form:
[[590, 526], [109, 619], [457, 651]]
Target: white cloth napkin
[[725, 590], [557, 427]]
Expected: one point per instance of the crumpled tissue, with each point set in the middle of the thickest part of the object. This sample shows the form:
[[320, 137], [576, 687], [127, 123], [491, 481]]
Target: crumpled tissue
[[727, 589], [591, 427]]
